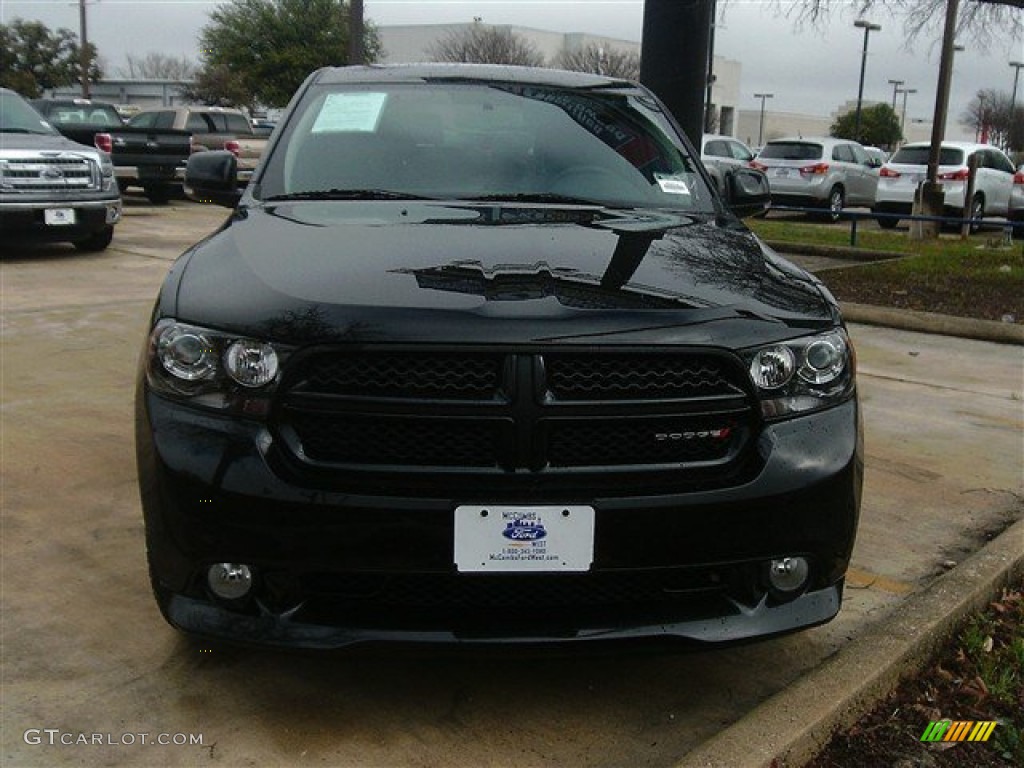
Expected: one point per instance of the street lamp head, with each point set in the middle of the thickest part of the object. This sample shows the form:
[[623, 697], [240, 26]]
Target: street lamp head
[[959, 48], [865, 24], [1017, 64]]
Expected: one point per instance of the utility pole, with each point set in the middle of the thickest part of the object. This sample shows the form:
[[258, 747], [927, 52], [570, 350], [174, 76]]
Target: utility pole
[[674, 62], [83, 57], [929, 199], [356, 26]]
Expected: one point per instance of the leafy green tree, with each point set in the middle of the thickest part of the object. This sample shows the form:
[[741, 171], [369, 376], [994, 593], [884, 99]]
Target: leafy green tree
[[879, 126], [260, 51], [33, 59]]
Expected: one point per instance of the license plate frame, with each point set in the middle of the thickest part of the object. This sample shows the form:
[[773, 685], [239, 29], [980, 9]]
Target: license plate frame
[[523, 538]]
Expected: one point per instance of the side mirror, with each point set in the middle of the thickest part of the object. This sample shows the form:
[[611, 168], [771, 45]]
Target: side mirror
[[748, 192], [212, 177]]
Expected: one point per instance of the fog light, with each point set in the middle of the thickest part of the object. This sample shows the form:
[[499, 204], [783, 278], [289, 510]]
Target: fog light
[[788, 574], [229, 580]]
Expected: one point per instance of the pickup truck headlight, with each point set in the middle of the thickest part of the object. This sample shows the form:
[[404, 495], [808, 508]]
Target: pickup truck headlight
[[210, 368], [803, 375]]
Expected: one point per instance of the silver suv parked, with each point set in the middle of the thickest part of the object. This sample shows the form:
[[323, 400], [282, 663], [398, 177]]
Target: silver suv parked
[[817, 172], [721, 155]]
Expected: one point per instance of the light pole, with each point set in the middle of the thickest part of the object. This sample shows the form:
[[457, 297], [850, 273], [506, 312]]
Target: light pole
[[868, 28], [903, 121], [895, 89], [760, 130], [1016, 74], [83, 54]]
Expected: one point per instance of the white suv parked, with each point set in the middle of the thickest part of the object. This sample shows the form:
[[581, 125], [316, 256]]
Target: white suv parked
[[908, 167]]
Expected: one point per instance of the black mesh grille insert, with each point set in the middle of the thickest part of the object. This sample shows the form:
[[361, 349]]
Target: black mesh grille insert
[[618, 442], [411, 441], [637, 377], [456, 377], [520, 590]]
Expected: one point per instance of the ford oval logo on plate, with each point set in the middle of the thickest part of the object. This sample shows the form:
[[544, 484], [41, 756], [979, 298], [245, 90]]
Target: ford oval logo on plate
[[524, 530]]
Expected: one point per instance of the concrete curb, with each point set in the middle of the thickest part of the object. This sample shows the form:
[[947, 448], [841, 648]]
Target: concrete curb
[[795, 724], [931, 322], [834, 251]]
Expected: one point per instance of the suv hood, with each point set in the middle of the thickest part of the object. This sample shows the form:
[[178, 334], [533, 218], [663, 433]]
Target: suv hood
[[485, 273], [42, 142]]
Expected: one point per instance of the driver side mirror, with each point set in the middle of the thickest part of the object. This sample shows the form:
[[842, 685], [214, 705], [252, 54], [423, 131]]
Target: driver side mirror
[[748, 192], [212, 177]]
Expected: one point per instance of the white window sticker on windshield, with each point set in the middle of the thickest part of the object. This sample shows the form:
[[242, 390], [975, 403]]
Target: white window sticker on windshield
[[353, 112], [672, 185]]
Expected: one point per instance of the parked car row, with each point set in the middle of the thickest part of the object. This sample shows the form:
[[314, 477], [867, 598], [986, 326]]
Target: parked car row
[[149, 150], [831, 174]]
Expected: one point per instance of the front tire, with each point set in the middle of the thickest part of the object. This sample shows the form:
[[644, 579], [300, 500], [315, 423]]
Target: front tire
[[834, 205], [97, 241], [158, 194], [977, 213]]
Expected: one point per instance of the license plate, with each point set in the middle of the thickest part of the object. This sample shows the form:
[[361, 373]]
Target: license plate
[[59, 217], [782, 172], [504, 539]]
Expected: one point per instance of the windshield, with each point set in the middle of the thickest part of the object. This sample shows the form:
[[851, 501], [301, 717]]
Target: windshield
[[17, 116], [91, 114], [790, 150], [484, 141], [919, 156]]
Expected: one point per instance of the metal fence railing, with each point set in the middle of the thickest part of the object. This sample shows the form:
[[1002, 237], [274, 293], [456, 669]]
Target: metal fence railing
[[1011, 229]]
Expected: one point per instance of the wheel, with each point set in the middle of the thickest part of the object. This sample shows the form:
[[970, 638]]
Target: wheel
[[886, 222], [96, 241], [834, 205], [158, 194], [977, 213]]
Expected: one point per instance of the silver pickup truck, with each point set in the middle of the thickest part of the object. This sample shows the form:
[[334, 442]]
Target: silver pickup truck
[[51, 188]]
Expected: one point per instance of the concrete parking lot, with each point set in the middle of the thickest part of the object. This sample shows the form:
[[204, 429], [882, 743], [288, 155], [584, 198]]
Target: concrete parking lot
[[89, 666]]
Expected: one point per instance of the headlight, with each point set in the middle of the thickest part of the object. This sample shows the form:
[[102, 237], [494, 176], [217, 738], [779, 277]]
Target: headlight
[[210, 368], [803, 374]]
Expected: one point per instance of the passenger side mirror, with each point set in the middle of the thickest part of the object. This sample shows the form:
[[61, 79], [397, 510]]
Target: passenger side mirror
[[748, 192], [212, 177]]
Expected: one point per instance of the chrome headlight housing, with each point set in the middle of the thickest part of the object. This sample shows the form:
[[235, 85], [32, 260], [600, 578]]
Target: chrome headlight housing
[[802, 375], [210, 368]]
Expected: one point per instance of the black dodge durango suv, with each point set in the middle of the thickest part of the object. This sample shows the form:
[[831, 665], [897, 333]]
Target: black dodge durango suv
[[479, 355]]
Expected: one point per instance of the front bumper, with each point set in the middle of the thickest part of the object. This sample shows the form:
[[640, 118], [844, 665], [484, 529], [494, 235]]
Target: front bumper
[[336, 568], [26, 220]]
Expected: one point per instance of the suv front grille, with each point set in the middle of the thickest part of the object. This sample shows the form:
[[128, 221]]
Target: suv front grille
[[55, 173], [402, 413]]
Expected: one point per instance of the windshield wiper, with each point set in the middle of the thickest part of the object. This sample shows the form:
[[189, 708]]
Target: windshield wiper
[[346, 194], [23, 130], [534, 197]]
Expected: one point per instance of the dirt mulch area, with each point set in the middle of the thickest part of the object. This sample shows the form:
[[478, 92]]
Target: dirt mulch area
[[947, 293], [978, 677]]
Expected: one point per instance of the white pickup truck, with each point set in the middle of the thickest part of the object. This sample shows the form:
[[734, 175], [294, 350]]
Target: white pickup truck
[[52, 189]]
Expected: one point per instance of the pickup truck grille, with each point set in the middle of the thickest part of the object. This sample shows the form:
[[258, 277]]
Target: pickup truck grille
[[53, 173], [533, 412]]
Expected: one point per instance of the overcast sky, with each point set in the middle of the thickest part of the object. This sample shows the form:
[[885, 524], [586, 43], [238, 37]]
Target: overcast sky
[[810, 70]]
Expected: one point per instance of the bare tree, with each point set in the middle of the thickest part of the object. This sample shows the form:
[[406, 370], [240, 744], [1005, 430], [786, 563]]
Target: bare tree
[[484, 44], [989, 114], [612, 62], [158, 66], [978, 19]]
